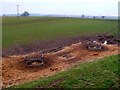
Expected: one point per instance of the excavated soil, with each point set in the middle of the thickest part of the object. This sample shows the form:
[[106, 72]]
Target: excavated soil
[[14, 71], [45, 46]]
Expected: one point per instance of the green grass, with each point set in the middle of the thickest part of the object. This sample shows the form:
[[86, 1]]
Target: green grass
[[25, 30], [102, 73]]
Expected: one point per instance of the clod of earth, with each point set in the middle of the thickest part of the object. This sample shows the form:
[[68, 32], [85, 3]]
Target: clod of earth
[[110, 39]]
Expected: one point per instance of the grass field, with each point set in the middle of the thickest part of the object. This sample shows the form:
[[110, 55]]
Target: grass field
[[25, 30], [101, 73]]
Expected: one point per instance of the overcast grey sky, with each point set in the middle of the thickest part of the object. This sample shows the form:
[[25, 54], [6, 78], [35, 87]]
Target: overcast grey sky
[[66, 7]]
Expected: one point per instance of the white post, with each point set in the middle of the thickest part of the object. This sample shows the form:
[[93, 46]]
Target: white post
[[17, 10]]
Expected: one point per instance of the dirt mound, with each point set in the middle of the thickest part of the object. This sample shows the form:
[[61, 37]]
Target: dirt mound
[[14, 71]]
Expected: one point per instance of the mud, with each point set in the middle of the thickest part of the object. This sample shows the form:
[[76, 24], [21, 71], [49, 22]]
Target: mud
[[14, 71], [42, 46], [57, 44]]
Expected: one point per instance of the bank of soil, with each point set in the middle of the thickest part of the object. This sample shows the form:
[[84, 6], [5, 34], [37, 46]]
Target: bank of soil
[[14, 71]]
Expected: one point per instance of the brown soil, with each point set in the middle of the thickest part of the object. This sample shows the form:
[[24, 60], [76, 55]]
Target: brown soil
[[14, 71], [44, 46]]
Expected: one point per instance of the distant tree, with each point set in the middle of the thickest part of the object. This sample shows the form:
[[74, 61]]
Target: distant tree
[[94, 17], [25, 13], [103, 17], [4, 15], [83, 16]]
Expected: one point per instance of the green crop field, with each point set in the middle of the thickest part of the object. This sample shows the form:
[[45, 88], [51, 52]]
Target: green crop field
[[101, 73], [25, 30]]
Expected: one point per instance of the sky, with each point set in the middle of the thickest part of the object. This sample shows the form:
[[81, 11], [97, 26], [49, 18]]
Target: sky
[[63, 7]]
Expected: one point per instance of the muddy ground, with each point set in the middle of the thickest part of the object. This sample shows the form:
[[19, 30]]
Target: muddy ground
[[61, 54], [14, 71], [45, 46]]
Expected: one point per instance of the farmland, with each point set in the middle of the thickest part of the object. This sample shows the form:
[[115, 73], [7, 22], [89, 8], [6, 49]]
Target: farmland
[[62, 42], [25, 30]]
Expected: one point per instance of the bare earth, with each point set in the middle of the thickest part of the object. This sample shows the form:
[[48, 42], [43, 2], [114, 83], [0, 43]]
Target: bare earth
[[15, 72]]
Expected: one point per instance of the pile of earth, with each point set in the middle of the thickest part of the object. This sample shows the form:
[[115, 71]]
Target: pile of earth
[[14, 71]]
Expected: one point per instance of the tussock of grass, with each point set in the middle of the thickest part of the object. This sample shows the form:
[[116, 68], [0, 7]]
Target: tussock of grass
[[101, 73]]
